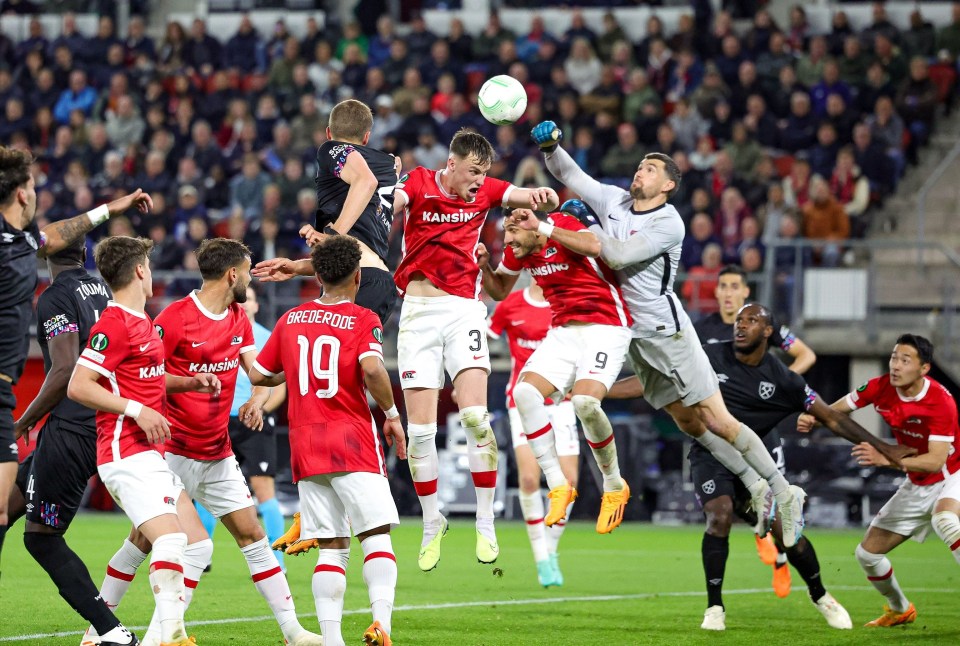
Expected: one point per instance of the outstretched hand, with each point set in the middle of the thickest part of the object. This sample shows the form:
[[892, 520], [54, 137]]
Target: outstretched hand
[[138, 199], [276, 270]]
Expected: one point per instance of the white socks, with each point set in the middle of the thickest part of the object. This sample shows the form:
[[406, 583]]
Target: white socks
[[166, 580], [120, 572], [531, 505], [947, 526], [329, 586], [483, 456], [599, 434], [424, 467], [539, 432], [272, 585], [380, 575], [880, 573]]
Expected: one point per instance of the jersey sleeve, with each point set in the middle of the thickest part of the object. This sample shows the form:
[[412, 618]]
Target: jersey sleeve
[[499, 190], [801, 394], [56, 314], [270, 359], [410, 184], [337, 158], [509, 263], [107, 348], [865, 394], [169, 327], [249, 343], [782, 337], [943, 428], [371, 337]]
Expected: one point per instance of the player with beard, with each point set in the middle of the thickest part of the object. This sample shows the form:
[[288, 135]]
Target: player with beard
[[208, 332], [640, 235], [759, 389]]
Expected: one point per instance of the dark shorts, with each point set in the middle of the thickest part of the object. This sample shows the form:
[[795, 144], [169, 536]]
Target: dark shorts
[[711, 480], [54, 477], [377, 292], [256, 451], [8, 444]]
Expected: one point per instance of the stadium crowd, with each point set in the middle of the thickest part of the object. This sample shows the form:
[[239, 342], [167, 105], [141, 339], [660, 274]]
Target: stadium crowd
[[778, 133]]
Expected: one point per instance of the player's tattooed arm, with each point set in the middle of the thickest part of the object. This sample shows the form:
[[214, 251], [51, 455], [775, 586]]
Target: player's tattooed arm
[[64, 352], [61, 235], [842, 426]]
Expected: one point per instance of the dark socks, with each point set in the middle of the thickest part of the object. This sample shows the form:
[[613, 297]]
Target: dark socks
[[714, 550], [71, 577], [803, 557]]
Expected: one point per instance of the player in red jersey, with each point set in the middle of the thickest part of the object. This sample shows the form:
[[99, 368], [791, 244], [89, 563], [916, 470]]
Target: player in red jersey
[[328, 350], [121, 375], [582, 353], [208, 332], [442, 322], [524, 317], [922, 415]]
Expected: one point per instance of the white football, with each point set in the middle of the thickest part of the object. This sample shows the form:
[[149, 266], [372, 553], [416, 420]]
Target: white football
[[502, 100]]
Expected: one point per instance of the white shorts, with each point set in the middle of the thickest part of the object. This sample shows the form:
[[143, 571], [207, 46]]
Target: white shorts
[[218, 485], [143, 485], [564, 421], [333, 503], [909, 510], [574, 352], [437, 333]]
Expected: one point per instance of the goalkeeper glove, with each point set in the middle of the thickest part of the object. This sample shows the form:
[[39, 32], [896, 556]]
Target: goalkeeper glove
[[547, 135], [580, 210]]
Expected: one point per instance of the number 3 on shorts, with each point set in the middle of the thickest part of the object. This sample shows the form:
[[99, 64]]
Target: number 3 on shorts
[[475, 346]]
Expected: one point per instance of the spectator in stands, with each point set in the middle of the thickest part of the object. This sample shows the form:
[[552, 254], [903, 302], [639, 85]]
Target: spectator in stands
[[917, 103], [890, 57], [430, 153], [787, 260], [621, 62], [701, 235], [606, 96], [823, 154], [799, 131], [61, 153], [760, 125], [582, 66], [155, 178], [840, 30], [420, 39], [291, 181], [125, 126], [246, 189], [796, 185], [685, 37], [704, 156], [728, 221], [824, 219], [528, 44], [659, 62], [281, 69], [772, 212], [378, 48], [757, 38], [948, 37], [770, 62], [829, 83], [111, 178], [244, 52], [685, 75], [15, 120], [439, 63], [654, 31], [304, 213], [170, 58], [79, 96], [744, 151], [203, 148], [886, 129], [274, 44], [138, 42], [751, 259], [881, 25], [853, 62], [188, 208], [98, 144], [641, 102], [698, 290], [411, 90], [622, 160], [45, 94], [730, 58], [324, 65], [921, 38], [851, 189], [35, 40], [810, 65], [842, 119], [747, 84], [69, 36], [750, 238], [386, 120], [687, 124], [354, 72], [487, 43], [874, 85], [799, 29], [711, 91], [25, 76]]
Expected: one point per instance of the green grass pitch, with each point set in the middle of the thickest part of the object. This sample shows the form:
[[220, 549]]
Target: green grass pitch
[[640, 585]]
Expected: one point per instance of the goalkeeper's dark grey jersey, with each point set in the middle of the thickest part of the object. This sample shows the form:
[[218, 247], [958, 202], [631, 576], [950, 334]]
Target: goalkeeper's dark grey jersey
[[642, 246]]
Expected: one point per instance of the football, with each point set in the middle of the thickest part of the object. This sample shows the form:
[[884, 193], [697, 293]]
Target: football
[[502, 100]]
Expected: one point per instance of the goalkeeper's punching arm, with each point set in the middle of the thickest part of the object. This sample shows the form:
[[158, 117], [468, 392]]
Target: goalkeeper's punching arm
[[661, 235]]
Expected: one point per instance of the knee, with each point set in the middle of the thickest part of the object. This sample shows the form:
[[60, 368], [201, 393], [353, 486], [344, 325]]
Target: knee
[[526, 396], [474, 417], [587, 407], [422, 433], [529, 484], [945, 524], [865, 558], [719, 515], [38, 543]]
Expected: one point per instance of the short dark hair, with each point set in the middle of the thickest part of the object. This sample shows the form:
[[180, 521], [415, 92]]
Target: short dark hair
[[671, 168], [118, 256], [351, 120], [14, 171], [335, 259], [468, 142], [216, 256], [72, 254], [921, 344], [733, 269], [764, 313]]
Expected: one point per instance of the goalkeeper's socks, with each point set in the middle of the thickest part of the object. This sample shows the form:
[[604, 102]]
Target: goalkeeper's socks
[[755, 453], [120, 572], [714, 551], [424, 467], [803, 557], [380, 575], [272, 585], [72, 579], [329, 587], [531, 506]]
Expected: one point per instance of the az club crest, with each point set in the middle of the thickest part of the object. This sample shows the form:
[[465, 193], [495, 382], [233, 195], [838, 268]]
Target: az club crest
[[767, 389]]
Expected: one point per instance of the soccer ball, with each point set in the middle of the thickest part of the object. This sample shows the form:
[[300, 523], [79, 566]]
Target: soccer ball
[[502, 100]]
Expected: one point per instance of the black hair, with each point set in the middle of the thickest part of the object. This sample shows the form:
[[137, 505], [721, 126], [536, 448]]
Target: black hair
[[671, 168], [731, 270], [921, 344], [215, 257], [336, 259]]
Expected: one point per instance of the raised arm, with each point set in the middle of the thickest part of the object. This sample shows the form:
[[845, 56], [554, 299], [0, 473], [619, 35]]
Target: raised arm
[[661, 235], [538, 199], [561, 165], [842, 426], [60, 235]]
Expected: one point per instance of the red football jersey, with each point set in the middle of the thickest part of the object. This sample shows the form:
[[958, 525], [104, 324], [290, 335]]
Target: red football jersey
[[319, 347], [931, 415], [525, 322], [125, 349], [196, 340], [578, 288], [441, 232]]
